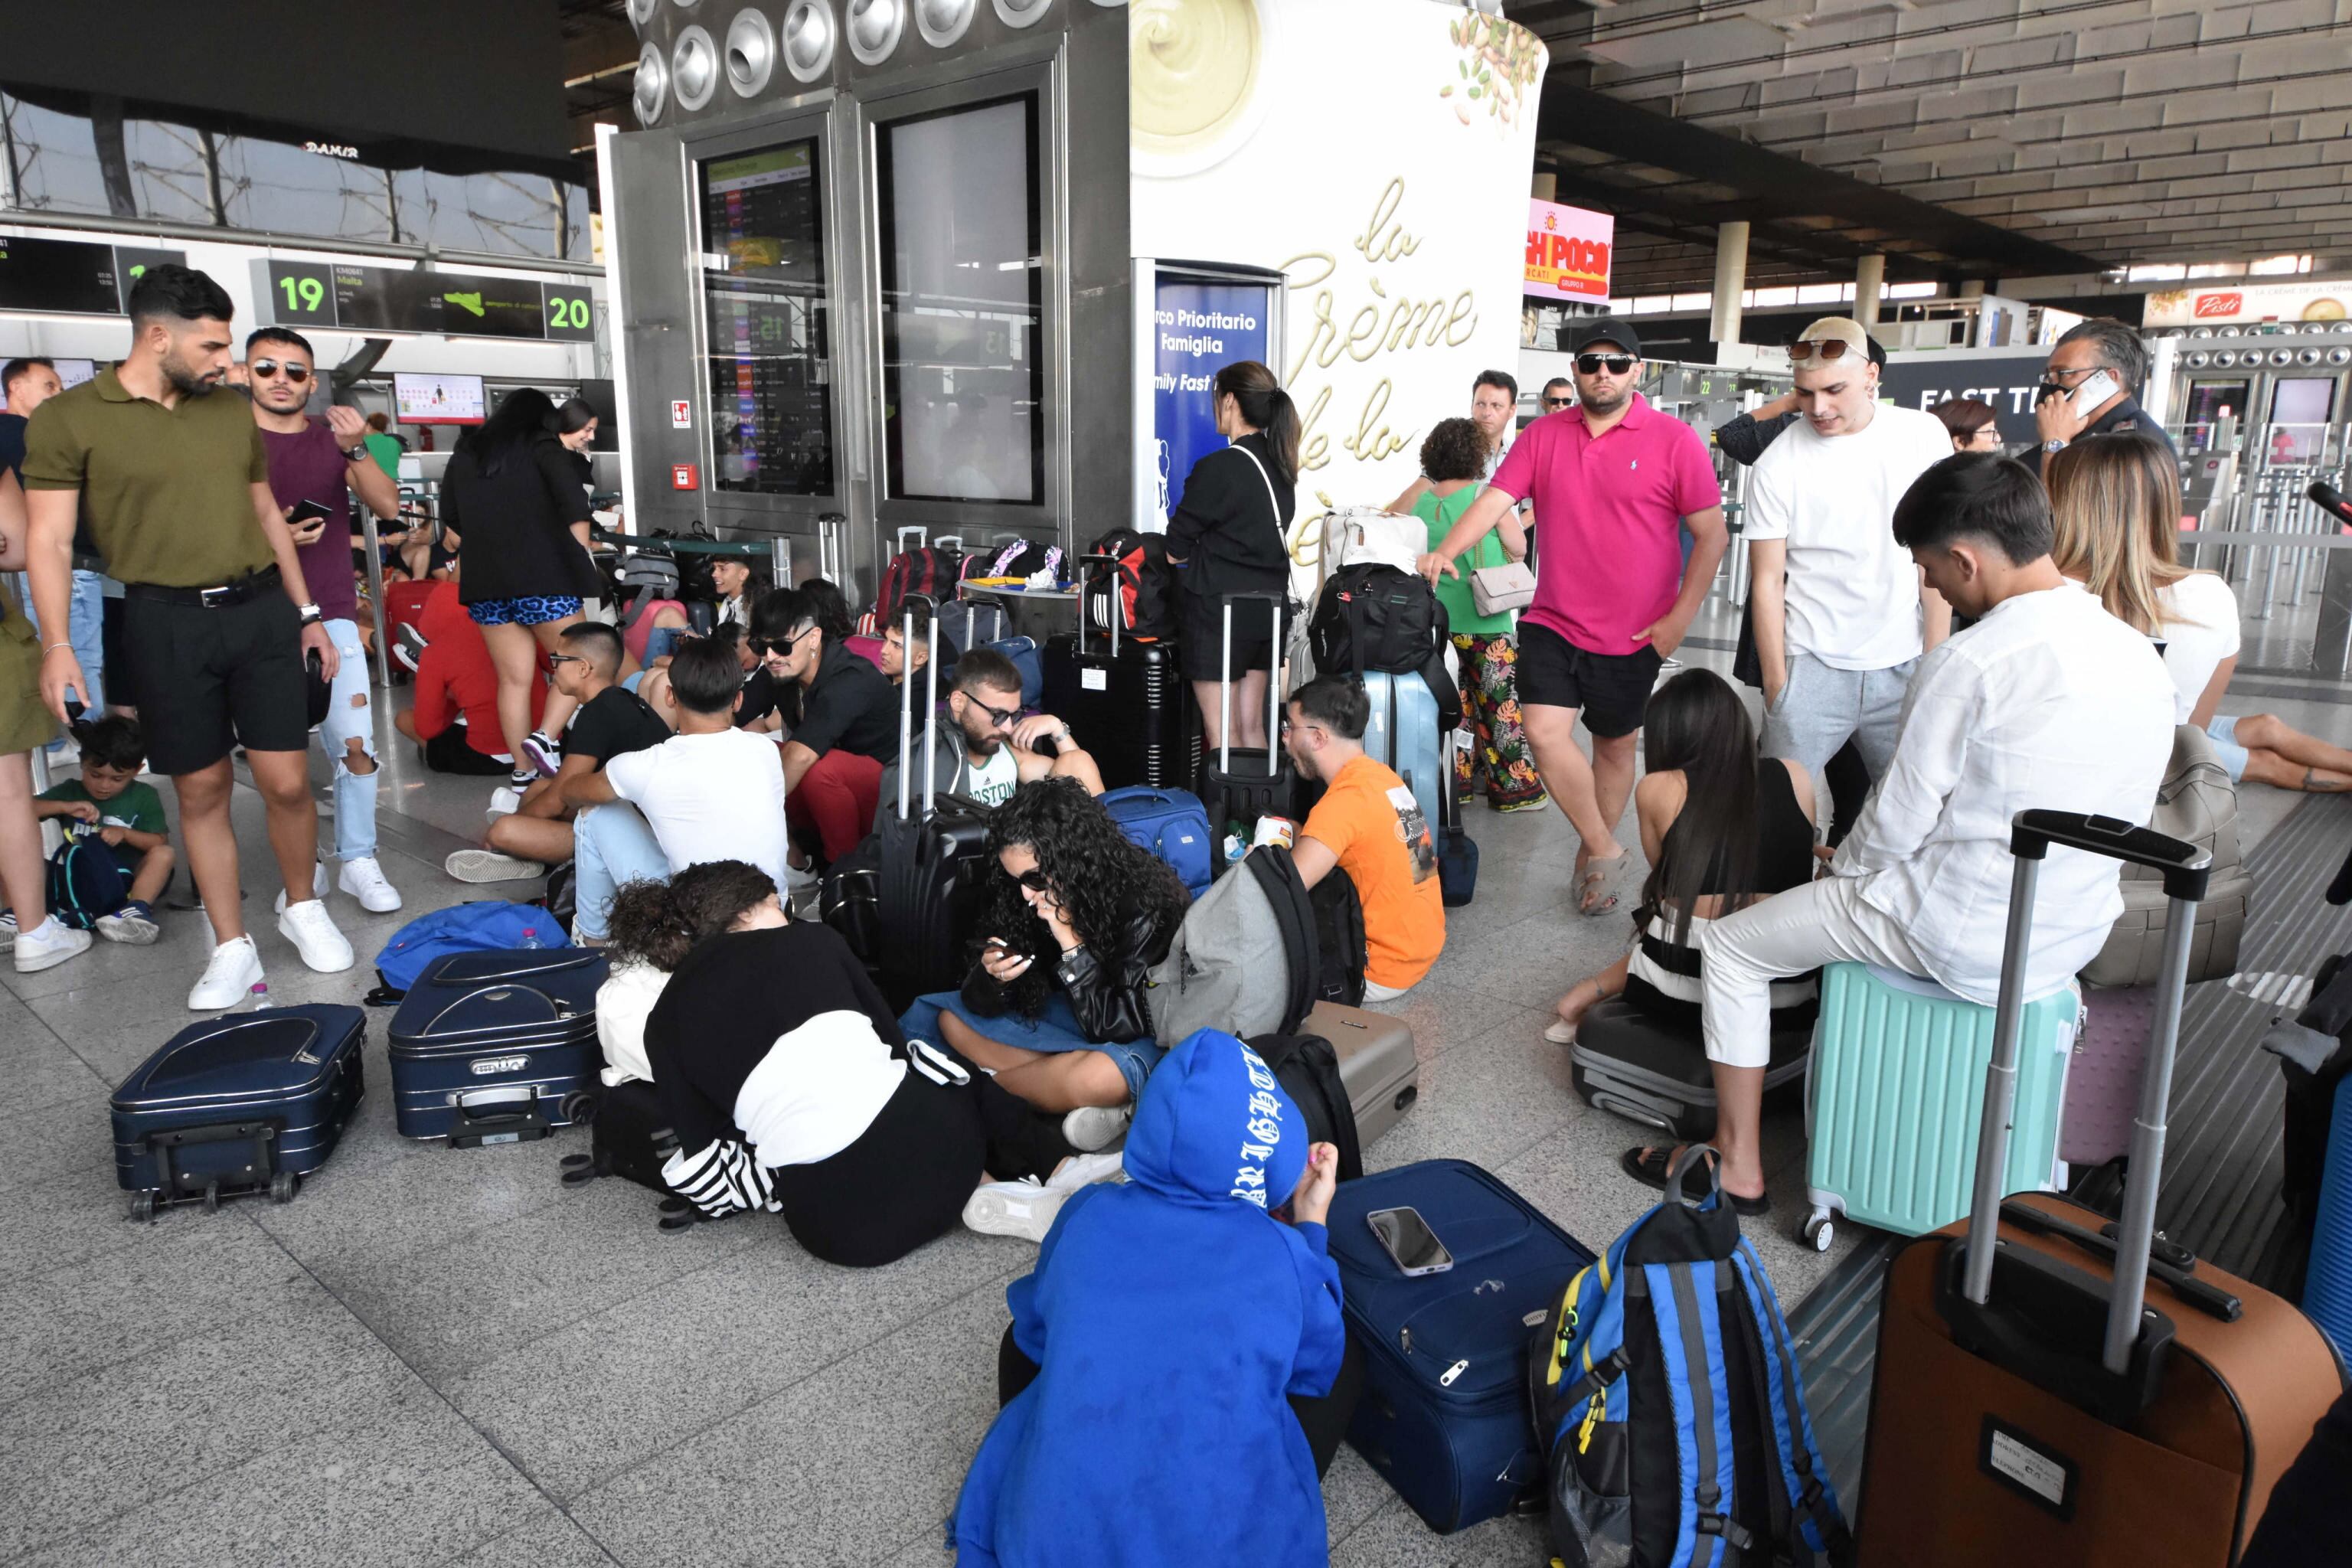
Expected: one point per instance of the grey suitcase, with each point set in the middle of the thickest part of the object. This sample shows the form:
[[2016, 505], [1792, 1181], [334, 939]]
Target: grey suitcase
[[1377, 1064], [1650, 1070]]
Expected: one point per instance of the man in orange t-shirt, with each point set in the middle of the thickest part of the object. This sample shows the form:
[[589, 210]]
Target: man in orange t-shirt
[[1369, 825]]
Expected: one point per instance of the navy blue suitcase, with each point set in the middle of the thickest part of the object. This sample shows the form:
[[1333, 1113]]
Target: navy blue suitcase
[[1444, 1411], [231, 1105], [487, 1044]]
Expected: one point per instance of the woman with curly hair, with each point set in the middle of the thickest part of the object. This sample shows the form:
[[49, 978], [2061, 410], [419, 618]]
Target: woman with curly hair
[[1074, 919], [1452, 460]]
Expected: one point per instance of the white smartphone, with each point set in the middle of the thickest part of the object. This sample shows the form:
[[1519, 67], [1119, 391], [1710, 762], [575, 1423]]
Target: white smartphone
[[1409, 1241], [2095, 391]]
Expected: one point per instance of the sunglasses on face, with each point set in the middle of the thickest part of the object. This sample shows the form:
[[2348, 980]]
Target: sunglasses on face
[[1561, 402], [780, 646], [998, 718], [1834, 349], [1034, 880], [292, 370], [1590, 364]]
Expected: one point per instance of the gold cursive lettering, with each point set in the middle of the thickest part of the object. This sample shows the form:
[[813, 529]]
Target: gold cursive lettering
[[1383, 238], [1370, 445], [1313, 446]]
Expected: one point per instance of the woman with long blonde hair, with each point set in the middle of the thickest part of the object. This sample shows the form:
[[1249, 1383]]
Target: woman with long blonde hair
[[2117, 502]]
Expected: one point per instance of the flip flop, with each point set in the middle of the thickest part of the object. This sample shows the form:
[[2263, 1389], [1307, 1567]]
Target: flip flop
[[1599, 877], [1650, 1164]]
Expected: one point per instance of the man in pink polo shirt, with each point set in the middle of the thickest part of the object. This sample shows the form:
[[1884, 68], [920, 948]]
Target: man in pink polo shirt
[[1614, 483]]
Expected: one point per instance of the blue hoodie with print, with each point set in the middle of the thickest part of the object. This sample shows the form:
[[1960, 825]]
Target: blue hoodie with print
[[1170, 1318]]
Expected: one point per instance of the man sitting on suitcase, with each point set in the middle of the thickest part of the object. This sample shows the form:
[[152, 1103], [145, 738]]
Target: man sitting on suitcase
[[986, 748], [1369, 824], [2047, 700]]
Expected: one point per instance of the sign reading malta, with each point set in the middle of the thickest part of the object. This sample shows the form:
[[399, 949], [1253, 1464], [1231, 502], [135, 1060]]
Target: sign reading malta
[[1568, 252]]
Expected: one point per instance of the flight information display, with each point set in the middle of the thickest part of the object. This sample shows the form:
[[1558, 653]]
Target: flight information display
[[350, 297], [72, 276], [767, 369]]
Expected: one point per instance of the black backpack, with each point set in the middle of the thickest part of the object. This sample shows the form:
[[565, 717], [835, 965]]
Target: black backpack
[[1309, 1070], [1339, 939], [1145, 582], [1375, 619]]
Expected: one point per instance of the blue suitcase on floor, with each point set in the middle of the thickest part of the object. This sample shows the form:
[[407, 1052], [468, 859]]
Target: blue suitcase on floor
[[487, 1045], [1403, 733], [244, 1104], [1445, 1414]]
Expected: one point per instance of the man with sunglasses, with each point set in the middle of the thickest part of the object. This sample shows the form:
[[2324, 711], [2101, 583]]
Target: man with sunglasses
[[322, 462], [1841, 611], [986, 749], [847, 726], [1614, 484]]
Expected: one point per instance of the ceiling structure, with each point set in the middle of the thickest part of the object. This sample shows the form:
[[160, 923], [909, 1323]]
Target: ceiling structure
[[600, 68], [1963, 137]]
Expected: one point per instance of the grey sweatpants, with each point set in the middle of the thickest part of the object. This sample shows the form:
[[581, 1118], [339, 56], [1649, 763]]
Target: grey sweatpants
[[1821, 706]]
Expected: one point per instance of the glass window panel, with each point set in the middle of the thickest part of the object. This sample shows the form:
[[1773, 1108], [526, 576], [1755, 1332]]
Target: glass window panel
[[766, 371], [963, 378]]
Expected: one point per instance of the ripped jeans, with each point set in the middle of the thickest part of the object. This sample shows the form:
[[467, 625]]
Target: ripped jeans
[[350, 715]]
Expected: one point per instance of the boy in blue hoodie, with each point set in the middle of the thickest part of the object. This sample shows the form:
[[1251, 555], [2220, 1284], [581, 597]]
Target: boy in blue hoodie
[[1170, 1317]]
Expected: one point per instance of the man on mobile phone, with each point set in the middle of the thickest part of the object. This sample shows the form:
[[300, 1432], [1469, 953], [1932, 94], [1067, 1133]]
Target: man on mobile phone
[[314, 467], [2087, 389]]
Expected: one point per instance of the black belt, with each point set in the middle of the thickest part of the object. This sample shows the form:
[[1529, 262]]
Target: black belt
[[251, 585]]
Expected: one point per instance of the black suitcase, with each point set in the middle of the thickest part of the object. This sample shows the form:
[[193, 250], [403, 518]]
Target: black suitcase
[[1655, 1073], [931, 865], [237, 1105], [488, 1047], [1244, 784], [1128, 702], [629, 1134]]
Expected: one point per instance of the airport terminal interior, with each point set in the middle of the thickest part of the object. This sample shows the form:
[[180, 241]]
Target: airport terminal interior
[[841, 291]]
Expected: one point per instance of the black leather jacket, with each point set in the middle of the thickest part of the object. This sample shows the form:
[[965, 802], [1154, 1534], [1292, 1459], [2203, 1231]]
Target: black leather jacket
[[1105, 989]]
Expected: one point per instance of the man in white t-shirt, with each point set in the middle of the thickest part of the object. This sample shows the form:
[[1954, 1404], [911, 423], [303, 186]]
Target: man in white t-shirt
[[712, 792], [986, 748], [1838, 602]]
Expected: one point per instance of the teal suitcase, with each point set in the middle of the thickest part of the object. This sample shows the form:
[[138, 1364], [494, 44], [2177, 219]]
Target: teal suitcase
[[1896, 1092]]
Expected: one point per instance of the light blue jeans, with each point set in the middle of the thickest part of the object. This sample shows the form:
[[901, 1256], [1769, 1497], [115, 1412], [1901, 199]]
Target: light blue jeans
[[610, 847], [2233, 756], [1052, 1031], [85, 630], [350, 714]]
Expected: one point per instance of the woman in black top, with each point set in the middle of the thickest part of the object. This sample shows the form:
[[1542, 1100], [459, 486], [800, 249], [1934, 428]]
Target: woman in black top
[[1722, 829], [791, 1089], [514, 497], [1227, 536]]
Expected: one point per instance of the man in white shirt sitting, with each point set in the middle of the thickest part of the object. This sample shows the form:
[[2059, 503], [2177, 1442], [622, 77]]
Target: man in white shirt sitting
[[2047, 700]]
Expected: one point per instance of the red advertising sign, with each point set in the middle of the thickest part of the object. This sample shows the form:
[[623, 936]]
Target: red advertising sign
[[1568, 251], [2224, 305]]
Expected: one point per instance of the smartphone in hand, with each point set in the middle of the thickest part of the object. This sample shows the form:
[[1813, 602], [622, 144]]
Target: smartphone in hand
[[308, 520]]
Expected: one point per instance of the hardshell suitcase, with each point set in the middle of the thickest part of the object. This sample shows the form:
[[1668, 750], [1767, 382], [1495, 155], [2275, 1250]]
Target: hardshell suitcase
[[1128, 702], [1403, 733], [629, 1134], [487, 1046], [1893, 1094], [1243, 783], [243, 1104], [2048, 1390], [1443, 1416], [931, 865], [1378, 1063], [1656, 1072], [2103, 1078]]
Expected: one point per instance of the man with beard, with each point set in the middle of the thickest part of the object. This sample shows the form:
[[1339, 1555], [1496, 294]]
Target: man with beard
[[217, 616], [986, 749], [1614, 482]]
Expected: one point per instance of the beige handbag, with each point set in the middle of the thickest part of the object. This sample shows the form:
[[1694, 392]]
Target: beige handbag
[[1496, 589], [2196, 803]]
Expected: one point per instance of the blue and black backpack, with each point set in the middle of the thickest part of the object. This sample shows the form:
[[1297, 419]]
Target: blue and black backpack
[[1668, 1402]]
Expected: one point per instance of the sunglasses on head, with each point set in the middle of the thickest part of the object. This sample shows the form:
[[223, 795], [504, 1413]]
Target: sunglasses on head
[[1832, 348], [1590, 364], [293, 370]]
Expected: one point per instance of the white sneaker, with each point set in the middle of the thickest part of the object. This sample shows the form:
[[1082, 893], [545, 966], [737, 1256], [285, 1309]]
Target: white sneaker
[[317, 887], [312, 930], [48, 945], [364, 880], [133, 923], [1084, 1170], [1093, 1127], [543, 751], [232, 975], [503, 800], [1014, 1208], [489, 865]]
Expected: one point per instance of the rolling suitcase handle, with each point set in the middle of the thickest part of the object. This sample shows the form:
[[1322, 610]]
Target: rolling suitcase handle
[[907, 716], [2186, 870], [1272, 691]]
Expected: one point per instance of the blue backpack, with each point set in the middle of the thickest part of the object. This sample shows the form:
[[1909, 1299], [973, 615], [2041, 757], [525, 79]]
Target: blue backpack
[[85, 881], [1666, 1389], [486, 925], [1172, 825], [1023, 652]]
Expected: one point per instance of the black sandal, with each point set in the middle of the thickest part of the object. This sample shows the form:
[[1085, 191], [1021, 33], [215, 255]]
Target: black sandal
[[1651, 1166]]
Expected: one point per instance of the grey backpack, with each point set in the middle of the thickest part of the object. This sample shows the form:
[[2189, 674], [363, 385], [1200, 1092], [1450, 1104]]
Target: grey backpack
[[1216, 975], [2196, 803]]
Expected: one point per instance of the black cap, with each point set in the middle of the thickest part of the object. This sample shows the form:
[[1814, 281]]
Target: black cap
[[1604, 329]]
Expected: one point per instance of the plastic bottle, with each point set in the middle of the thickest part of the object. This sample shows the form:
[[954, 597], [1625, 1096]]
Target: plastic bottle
[[260, 994], [531, 937]]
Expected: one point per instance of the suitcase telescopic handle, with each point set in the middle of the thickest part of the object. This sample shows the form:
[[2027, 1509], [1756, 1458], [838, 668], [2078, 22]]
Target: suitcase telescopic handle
[[2186, 869]]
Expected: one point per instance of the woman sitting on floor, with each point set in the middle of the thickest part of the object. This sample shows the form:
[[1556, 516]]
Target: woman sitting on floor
[[1722, 827], [1073, 920], [790, 1088]]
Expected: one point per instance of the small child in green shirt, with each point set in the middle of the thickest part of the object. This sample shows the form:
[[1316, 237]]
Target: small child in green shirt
[[108, 808]]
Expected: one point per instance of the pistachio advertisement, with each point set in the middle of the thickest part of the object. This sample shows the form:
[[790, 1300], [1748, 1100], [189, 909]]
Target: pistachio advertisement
[[1376, 153]]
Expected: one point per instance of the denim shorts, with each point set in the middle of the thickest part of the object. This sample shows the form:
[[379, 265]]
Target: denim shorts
[[2223, 729], [527, 612], [1053, 1030]]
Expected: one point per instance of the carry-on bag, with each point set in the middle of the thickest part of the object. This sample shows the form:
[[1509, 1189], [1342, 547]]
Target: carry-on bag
[[479, 925], [1172, 825], [2316, 1185], [486, 1046], [922, 567], [2197, 804], [1458, 852], [1444, 1418], [1654, 1071], [1246, 783], [1378, 1066], [249, 1103], [629, 1134], [1403, 733], [1340, 949], [931, 863], [1221, 969], [1309, 1070], [1128, 702], [2052, 1388]]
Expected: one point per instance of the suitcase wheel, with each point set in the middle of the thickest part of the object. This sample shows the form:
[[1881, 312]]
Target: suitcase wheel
[[1819, 1230], [143, 1206], [579, 1170], [578, 1106], [283, 1186]]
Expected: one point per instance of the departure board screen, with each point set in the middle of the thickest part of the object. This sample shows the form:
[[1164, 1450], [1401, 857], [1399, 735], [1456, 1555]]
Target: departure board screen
[[768, 378]]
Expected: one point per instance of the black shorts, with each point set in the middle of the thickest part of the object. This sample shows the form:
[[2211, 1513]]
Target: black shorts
[[206, 680], [1201, 637], [1613, 689]]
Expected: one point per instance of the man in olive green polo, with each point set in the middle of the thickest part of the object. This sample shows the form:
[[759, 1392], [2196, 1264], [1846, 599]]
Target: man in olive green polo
[[217, 620]]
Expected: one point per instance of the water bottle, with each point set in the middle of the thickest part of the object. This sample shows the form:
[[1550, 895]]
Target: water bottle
[[531, 937]]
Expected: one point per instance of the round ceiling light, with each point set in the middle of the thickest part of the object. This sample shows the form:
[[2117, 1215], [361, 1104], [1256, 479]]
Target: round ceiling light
[[652, 90], [641, 11], [2282, 356], [942, 22], [1023, 12], [808, 39], [2224, 360], [694, 68], [2197, 361], [750, 52], [2339, 356], [874, 28], [2308, 356], [2201, 332]]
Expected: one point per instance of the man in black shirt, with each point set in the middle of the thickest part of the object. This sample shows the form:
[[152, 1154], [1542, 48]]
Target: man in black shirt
[[612, 719], [2088, 388], [847, 728]]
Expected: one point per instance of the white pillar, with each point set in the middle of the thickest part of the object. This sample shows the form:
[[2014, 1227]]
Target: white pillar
[[1974, 288], [1869, 277], [1730, 281]]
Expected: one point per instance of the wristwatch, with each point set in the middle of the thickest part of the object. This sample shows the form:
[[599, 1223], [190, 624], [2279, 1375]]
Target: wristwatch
[[359, 454], [310, 613], [2054, 446]]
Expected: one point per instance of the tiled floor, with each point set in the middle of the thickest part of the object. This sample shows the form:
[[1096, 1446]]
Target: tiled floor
[[436, 1357]]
